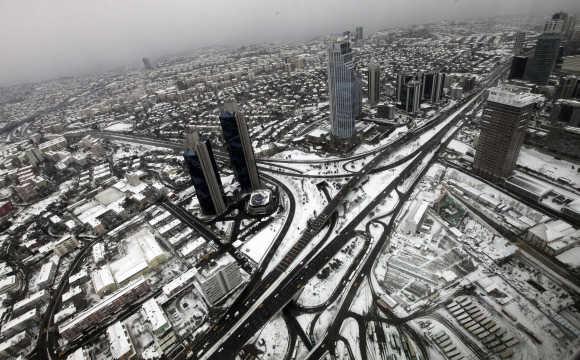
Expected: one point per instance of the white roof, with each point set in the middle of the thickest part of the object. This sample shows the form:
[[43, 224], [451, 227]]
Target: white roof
[[154, 314], [79, 354], [554, 230], [513, 95], [570, 257], [102, 278], [119, 341]]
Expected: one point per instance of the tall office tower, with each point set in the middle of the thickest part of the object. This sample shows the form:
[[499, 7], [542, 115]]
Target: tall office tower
[[439, 87], [204, 174], [358, 33], [540, 67], [519, 41], [412, 98], [564, 22], [239, 146], [344, 90], [427, 86], [518, 67], [402, 79], [503, 129], [374, 86]]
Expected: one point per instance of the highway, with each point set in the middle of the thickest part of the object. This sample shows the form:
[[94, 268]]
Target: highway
[[292, 279]]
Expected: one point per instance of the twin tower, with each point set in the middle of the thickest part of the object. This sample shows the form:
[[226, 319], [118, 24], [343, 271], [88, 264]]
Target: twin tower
[[203, 169]]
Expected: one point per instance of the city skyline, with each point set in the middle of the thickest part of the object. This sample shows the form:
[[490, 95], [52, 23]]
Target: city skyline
[[113, 40], [402, 194]]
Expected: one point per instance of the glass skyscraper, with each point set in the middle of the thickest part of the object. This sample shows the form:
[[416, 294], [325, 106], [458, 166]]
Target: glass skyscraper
[[203, 171], [239, 147], [344, 90]]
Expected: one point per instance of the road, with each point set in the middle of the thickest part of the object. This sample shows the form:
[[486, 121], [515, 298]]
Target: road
[[285, 288]]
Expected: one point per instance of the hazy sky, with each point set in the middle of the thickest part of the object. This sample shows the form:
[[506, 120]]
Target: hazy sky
[[42, 39]]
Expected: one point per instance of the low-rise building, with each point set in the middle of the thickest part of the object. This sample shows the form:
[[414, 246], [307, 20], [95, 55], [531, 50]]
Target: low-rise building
[[79, 354], [66, 244], [104, 309], [414, 217], [46, 275], [103, 281], [10, 348], [20, 323], [553, 237], [155, 316], [120, 342], [33, 301]]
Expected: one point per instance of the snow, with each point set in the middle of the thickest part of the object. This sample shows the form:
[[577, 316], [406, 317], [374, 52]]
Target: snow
[[309, 201], [257, 246], [324, 321], [120, 126], [363, 299], [349, 330], [548, 165], [273, 339], [460, 147], [318, 290], [570, 257]]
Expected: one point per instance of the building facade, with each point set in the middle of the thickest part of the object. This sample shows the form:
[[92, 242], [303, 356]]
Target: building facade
[[203, 171], [374, 83], [518, 67], [344, 90], [240, 148], [519, 41], [503, 128], [542, 64]]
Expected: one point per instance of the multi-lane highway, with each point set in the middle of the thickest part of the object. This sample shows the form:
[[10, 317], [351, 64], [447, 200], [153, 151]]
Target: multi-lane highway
[[292, 276]]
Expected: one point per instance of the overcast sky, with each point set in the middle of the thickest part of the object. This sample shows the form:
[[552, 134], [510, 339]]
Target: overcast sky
[[42, 39]]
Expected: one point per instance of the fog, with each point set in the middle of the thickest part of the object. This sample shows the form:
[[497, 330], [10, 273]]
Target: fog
[[42, 39]]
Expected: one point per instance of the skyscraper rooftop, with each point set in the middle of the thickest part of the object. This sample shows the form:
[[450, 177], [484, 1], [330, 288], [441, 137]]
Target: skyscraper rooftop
[[513, 95]]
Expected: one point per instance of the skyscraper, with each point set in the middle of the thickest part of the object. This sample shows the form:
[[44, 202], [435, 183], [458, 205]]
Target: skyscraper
[[427, 85], [358, 33], [412, 97], [239, 147], [518, 67], [540, 67], [519, 40], [344, 90], [439, 88], [402, 79], [503, 127], [374, 78], [203, 171]]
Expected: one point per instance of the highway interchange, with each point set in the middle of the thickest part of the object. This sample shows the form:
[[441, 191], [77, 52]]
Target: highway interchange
[[269, 293]]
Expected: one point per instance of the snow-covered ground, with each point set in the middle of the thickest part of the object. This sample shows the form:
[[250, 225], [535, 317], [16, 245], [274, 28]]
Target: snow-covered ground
[[309, 201], [257, 246], [363, 299], [273, 339], [349, 330], [319, 289], [120, 126]]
